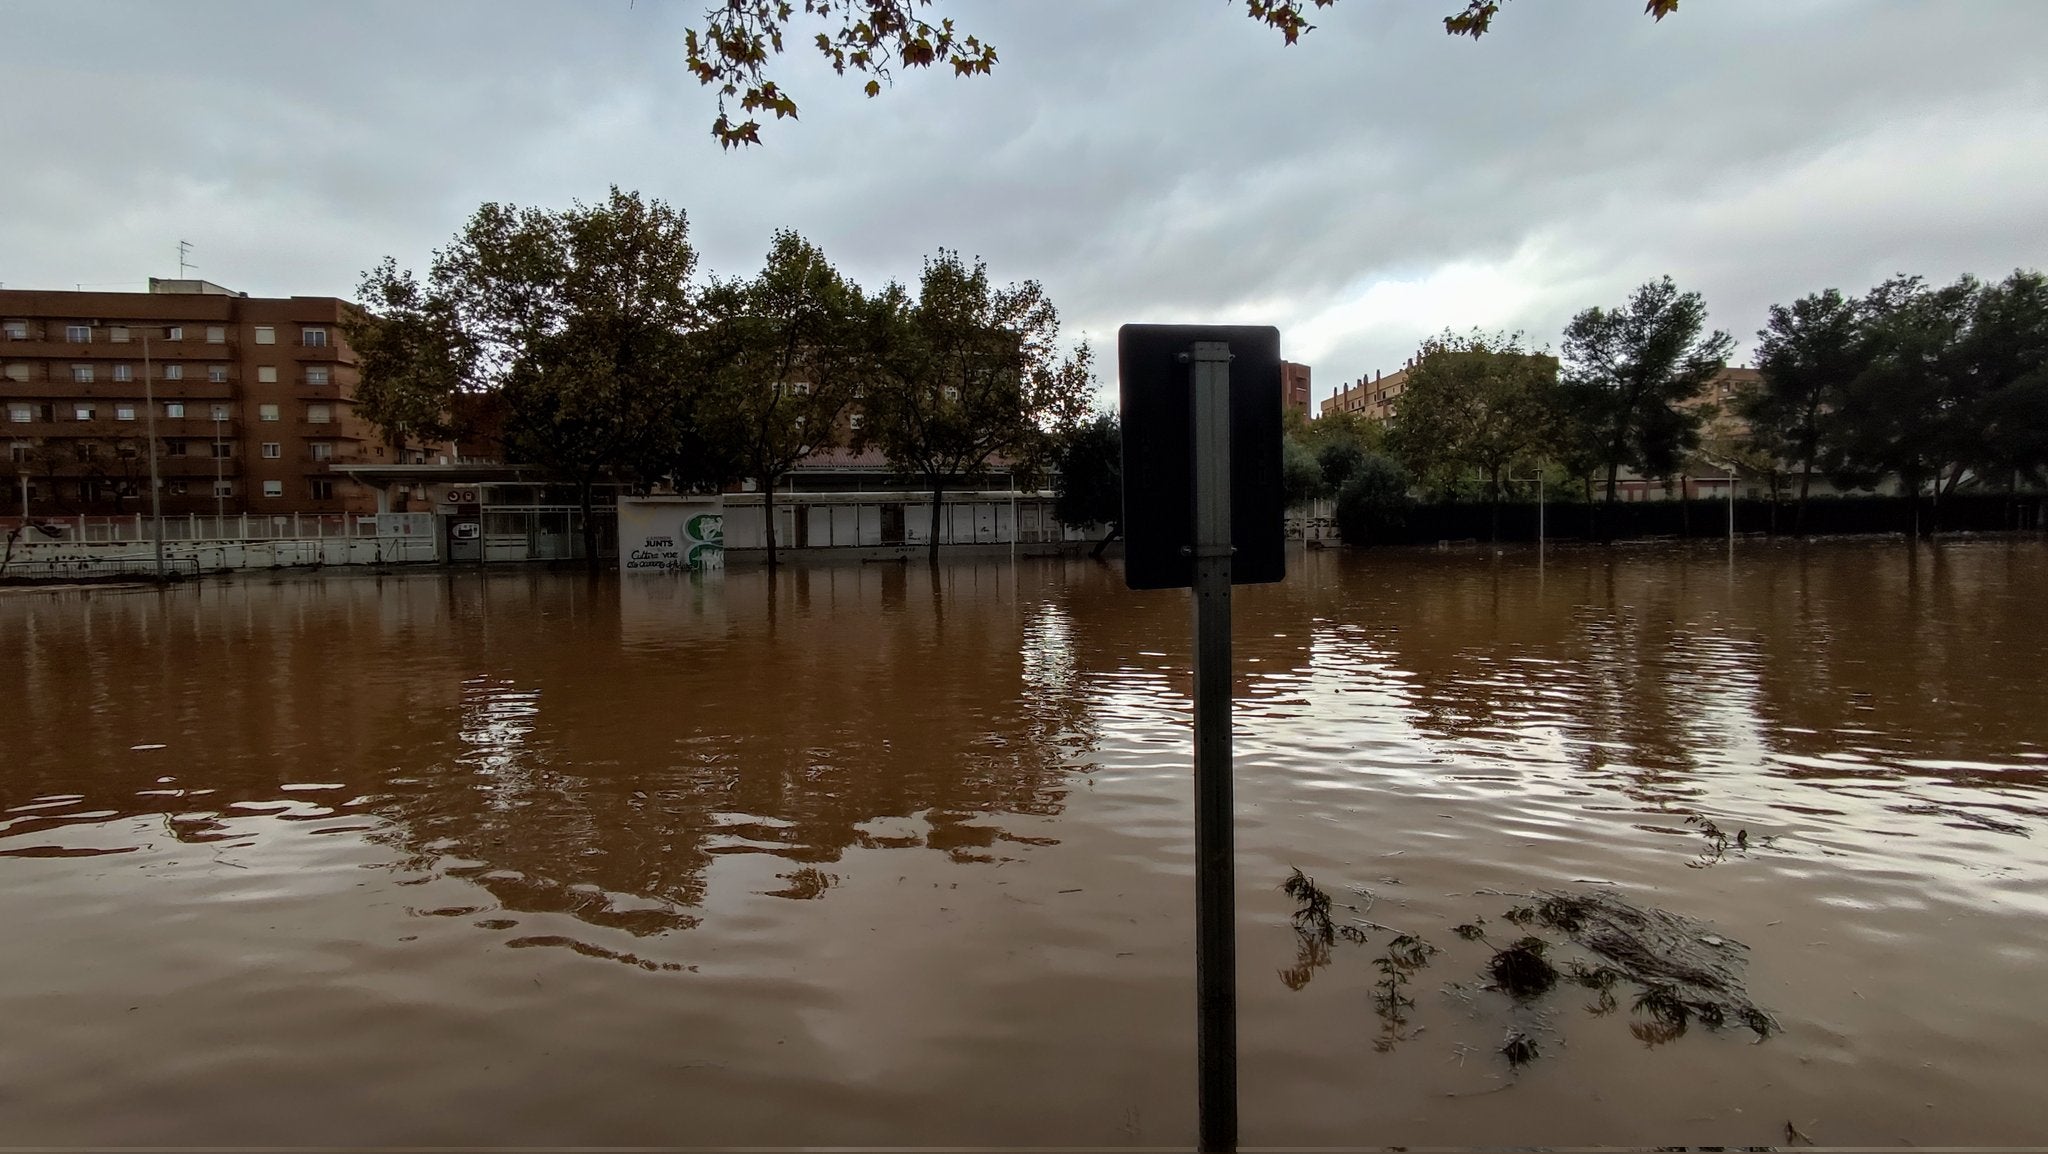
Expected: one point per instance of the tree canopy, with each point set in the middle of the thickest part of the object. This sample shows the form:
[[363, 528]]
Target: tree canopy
[[1477, 403], [1808, 353], [1631, 367], [783, 360], [733, 48], [575, 320], [1089, 486], [968, 372]]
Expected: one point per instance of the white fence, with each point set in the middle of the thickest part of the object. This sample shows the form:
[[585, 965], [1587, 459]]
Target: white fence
[[869, 520], [209, 544]]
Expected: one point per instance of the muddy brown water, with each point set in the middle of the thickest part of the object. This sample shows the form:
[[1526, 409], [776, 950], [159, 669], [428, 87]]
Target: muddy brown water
[[865, 857]]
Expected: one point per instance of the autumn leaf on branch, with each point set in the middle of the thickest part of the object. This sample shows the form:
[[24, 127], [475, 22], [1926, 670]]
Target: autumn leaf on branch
[[1477, 18], [732, 50]]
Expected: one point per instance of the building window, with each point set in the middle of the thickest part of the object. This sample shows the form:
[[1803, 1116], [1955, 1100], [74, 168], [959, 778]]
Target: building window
[[17, 330], [118, 334], [21, 414], [313, 338], [218, 413], [323, 490], [174, 372], [174, 449], [82, 412], [316, 375], [17, 371], [81, 374], [854, 421], [323, 450], [272, 450], [800, 388], [266, 412], [266, 335], [126, 450], [175, 488], [273, 488], [124, 412], [78, 334], [217, 374], [952, 393], [319, 414], [87, 450], [223, 448], [18, 451], [266, 374], [174, 409], [216, 335], [223, 488], [124, 372], [175, 333]]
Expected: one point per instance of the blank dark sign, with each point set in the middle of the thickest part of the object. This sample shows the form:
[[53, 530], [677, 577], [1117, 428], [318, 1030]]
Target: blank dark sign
[[1158, 434]]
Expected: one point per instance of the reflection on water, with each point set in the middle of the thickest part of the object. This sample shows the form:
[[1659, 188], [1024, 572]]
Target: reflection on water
[[878, 854]]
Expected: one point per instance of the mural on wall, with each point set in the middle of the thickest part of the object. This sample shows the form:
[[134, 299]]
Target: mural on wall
[[704, 541], [671, 534]]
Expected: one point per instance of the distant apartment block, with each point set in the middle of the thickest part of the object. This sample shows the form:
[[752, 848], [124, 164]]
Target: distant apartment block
[[1373, 397], [253, 402]]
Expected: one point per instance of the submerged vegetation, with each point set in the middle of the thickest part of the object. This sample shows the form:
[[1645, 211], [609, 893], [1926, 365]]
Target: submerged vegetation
[[1682, 971]]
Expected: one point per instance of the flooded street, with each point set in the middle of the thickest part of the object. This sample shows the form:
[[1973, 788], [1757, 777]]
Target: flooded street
[[863, 857]]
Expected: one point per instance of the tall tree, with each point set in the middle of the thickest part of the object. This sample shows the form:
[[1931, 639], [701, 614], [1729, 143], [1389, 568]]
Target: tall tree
[[738, 39], [969, 372], [575, 319], [413, 354], [1473, 403], [1809, 353], [785, 359], [1633, 365], [2007, 349], [1088, 488], [1910, 413]]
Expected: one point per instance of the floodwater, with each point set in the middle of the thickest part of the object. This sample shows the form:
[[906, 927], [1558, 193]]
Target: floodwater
[[864, 857]]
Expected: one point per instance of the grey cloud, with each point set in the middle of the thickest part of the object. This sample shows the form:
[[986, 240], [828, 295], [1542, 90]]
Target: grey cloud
[[1156, 159]]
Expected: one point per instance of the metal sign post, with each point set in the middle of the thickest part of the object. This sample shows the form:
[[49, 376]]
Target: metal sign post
[[1201, 409], [1215, 896]]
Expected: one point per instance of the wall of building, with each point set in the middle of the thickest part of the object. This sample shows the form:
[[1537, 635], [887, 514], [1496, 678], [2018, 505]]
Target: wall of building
[[255, 395]]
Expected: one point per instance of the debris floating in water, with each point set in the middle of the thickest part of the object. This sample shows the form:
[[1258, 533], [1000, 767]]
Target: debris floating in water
[[146, 748], [1683, 971], [1519, 1049]]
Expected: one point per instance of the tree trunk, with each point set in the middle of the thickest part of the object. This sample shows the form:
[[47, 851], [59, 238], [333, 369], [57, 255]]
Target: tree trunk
[[1805, 483], [1115, 531], [768, 517], [1607, 512], [938, 498], [586, 500], [1493, 482]]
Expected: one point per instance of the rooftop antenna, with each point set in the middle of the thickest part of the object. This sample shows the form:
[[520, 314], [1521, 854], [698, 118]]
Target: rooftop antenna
[[184, 247]]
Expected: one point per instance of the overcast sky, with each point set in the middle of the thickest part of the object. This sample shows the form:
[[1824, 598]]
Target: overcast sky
[[1147, 160]]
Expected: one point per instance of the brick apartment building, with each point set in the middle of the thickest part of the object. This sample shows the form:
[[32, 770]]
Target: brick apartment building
[[253, 402], [1294, 388]]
